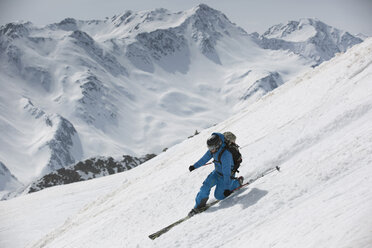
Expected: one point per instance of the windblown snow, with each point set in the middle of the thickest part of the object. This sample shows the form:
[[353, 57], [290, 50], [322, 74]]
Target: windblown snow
[[317, 127]]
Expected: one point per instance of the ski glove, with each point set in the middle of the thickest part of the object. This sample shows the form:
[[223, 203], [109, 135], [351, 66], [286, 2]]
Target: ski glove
[[191, 168], [227, 192]]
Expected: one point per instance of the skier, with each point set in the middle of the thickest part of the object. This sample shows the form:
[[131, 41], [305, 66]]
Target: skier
[[219, 177]]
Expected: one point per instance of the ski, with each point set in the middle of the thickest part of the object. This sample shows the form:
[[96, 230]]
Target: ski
[[166, 229]]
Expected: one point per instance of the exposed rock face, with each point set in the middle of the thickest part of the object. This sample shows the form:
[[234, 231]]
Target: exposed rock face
[[86, 170], [264, 85]]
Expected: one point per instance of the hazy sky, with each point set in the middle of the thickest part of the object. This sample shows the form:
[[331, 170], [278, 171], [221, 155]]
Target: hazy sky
[[354, 16]]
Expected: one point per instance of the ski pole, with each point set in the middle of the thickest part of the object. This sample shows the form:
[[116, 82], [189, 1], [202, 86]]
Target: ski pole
[[268, 171]]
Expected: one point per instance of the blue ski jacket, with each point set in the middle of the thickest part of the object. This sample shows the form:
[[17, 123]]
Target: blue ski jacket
[[223, 167]]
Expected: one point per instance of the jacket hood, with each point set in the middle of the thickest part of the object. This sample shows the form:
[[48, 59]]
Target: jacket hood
[[223, 140], [221, 136]]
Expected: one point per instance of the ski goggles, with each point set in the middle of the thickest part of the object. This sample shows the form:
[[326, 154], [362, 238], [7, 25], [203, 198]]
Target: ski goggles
[[213, 148]]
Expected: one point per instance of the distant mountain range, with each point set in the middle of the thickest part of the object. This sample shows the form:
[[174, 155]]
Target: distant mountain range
[[138, 82], [309, 38]]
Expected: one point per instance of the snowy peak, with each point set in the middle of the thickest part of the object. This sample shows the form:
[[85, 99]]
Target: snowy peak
[[209, 15], [262, 86], [68, 24], [306, 29], [209, 26], [146, 21], [8, 182], [122, 19], [16, 29], [205, 22], [210, 23], [131, 23], [309, 38], [174, 34], [205, 9], [295, 31], [56, 135]]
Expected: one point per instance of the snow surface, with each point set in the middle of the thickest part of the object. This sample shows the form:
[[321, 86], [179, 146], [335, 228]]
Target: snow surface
[[317, 127]]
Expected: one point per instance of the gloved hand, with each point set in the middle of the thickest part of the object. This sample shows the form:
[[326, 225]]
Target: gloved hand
[[227, 192], [191, 168]]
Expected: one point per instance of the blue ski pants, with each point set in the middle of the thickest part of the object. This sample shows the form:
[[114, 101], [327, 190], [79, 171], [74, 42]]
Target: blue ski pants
[[214, 179]]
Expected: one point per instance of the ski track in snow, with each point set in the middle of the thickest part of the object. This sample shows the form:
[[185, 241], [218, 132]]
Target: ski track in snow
[[317, 128]]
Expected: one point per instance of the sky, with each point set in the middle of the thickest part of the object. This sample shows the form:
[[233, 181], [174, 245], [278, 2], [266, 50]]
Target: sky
[[252, 15]]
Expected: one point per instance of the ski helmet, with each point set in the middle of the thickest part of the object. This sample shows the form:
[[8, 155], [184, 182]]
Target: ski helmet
[[214, 142]]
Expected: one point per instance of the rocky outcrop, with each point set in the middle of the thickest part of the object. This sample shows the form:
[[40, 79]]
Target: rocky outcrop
[[86, 170]]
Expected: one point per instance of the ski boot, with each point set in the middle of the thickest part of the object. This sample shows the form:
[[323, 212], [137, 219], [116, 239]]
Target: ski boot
[[240, 180], [199, 208]]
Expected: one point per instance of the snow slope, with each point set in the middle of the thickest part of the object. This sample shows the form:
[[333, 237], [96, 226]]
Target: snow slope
[[317, 127]]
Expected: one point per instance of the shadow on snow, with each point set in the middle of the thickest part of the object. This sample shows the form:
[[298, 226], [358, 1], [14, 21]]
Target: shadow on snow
[[245, 200]]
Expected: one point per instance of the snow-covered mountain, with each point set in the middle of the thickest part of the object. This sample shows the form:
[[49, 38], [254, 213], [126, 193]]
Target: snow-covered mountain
[[317, 127], [8, 182], [63, 141], [309, 38], [48, 141], [131, 84]]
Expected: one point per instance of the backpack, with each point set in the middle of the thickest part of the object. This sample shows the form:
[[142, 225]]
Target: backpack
[[233, 148]]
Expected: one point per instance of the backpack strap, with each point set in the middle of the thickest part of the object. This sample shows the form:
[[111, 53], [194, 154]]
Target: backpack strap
[[237, 164], [222, 151]]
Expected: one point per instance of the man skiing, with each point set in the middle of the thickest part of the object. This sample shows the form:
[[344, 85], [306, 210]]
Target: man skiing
[[220, 176], [225, 151]]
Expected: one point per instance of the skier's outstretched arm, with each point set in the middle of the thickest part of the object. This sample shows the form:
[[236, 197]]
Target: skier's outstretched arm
[[206, 157]]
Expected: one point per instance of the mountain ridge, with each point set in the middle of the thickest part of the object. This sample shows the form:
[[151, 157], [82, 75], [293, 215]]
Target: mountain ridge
[[326, 40], [8, 182]]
